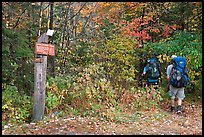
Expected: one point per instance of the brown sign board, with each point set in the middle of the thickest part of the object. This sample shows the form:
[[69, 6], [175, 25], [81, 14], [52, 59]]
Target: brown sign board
[[44, 49]]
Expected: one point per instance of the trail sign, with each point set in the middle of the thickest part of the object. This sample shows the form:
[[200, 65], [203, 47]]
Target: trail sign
[[44, 49]]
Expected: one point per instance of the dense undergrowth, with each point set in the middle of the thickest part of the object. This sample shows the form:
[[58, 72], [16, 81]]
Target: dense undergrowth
[[88, 98]]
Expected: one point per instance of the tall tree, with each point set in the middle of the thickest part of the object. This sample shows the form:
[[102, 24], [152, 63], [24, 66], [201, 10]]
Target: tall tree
[[51, 61], [16, 33]]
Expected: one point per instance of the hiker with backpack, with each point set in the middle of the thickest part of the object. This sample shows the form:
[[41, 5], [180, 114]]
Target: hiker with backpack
[[178, 80], [152, 71]]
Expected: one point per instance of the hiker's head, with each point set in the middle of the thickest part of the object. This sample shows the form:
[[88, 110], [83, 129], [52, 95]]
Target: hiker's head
[[172, 57]]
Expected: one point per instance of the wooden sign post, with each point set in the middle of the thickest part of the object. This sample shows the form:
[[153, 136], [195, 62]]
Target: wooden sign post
[[42, 49]]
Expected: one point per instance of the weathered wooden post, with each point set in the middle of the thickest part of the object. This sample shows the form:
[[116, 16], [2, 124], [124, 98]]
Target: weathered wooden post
[[42, 49]]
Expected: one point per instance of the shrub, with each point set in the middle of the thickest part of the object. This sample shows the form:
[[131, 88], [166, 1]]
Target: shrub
[[15, 107], [184, 44]]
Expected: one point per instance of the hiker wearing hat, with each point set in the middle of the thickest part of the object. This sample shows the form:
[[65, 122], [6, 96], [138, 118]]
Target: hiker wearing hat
[[177, 82]]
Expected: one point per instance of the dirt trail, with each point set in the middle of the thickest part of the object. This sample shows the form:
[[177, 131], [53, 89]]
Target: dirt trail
[[158, 122]]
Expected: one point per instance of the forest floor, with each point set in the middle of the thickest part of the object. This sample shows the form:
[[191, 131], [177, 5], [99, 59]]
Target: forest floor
[[157, 122]]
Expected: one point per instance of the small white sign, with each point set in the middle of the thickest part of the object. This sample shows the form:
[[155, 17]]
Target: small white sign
[[50, 32]]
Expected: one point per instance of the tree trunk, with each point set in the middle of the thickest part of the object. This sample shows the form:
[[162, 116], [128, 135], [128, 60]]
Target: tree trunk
[[143, 12], [51, 62], [40, 21]]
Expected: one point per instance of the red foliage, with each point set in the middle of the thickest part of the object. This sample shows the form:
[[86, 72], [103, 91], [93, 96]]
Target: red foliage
[[133, 29], [166, 32], [174, 27], [140, 29], [156, 30]]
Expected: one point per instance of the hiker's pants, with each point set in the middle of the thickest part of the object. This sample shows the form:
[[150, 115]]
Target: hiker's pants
[[176, 92]]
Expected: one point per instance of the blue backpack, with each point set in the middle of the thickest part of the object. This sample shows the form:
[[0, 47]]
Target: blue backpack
[[178, 76], [153, 70]]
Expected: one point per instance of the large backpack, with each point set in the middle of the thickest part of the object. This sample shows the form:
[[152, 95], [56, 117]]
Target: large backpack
[[178, 76], [153, 70]]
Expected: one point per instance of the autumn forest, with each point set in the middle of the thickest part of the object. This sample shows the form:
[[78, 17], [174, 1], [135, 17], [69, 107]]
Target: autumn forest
[[93, 82]]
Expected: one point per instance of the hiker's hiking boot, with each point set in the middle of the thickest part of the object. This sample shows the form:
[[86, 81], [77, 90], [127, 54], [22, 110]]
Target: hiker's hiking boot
[[172, 109], [179, 109]]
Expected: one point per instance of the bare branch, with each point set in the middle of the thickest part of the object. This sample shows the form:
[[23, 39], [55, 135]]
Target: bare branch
[[19, 19], [78, 11]]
